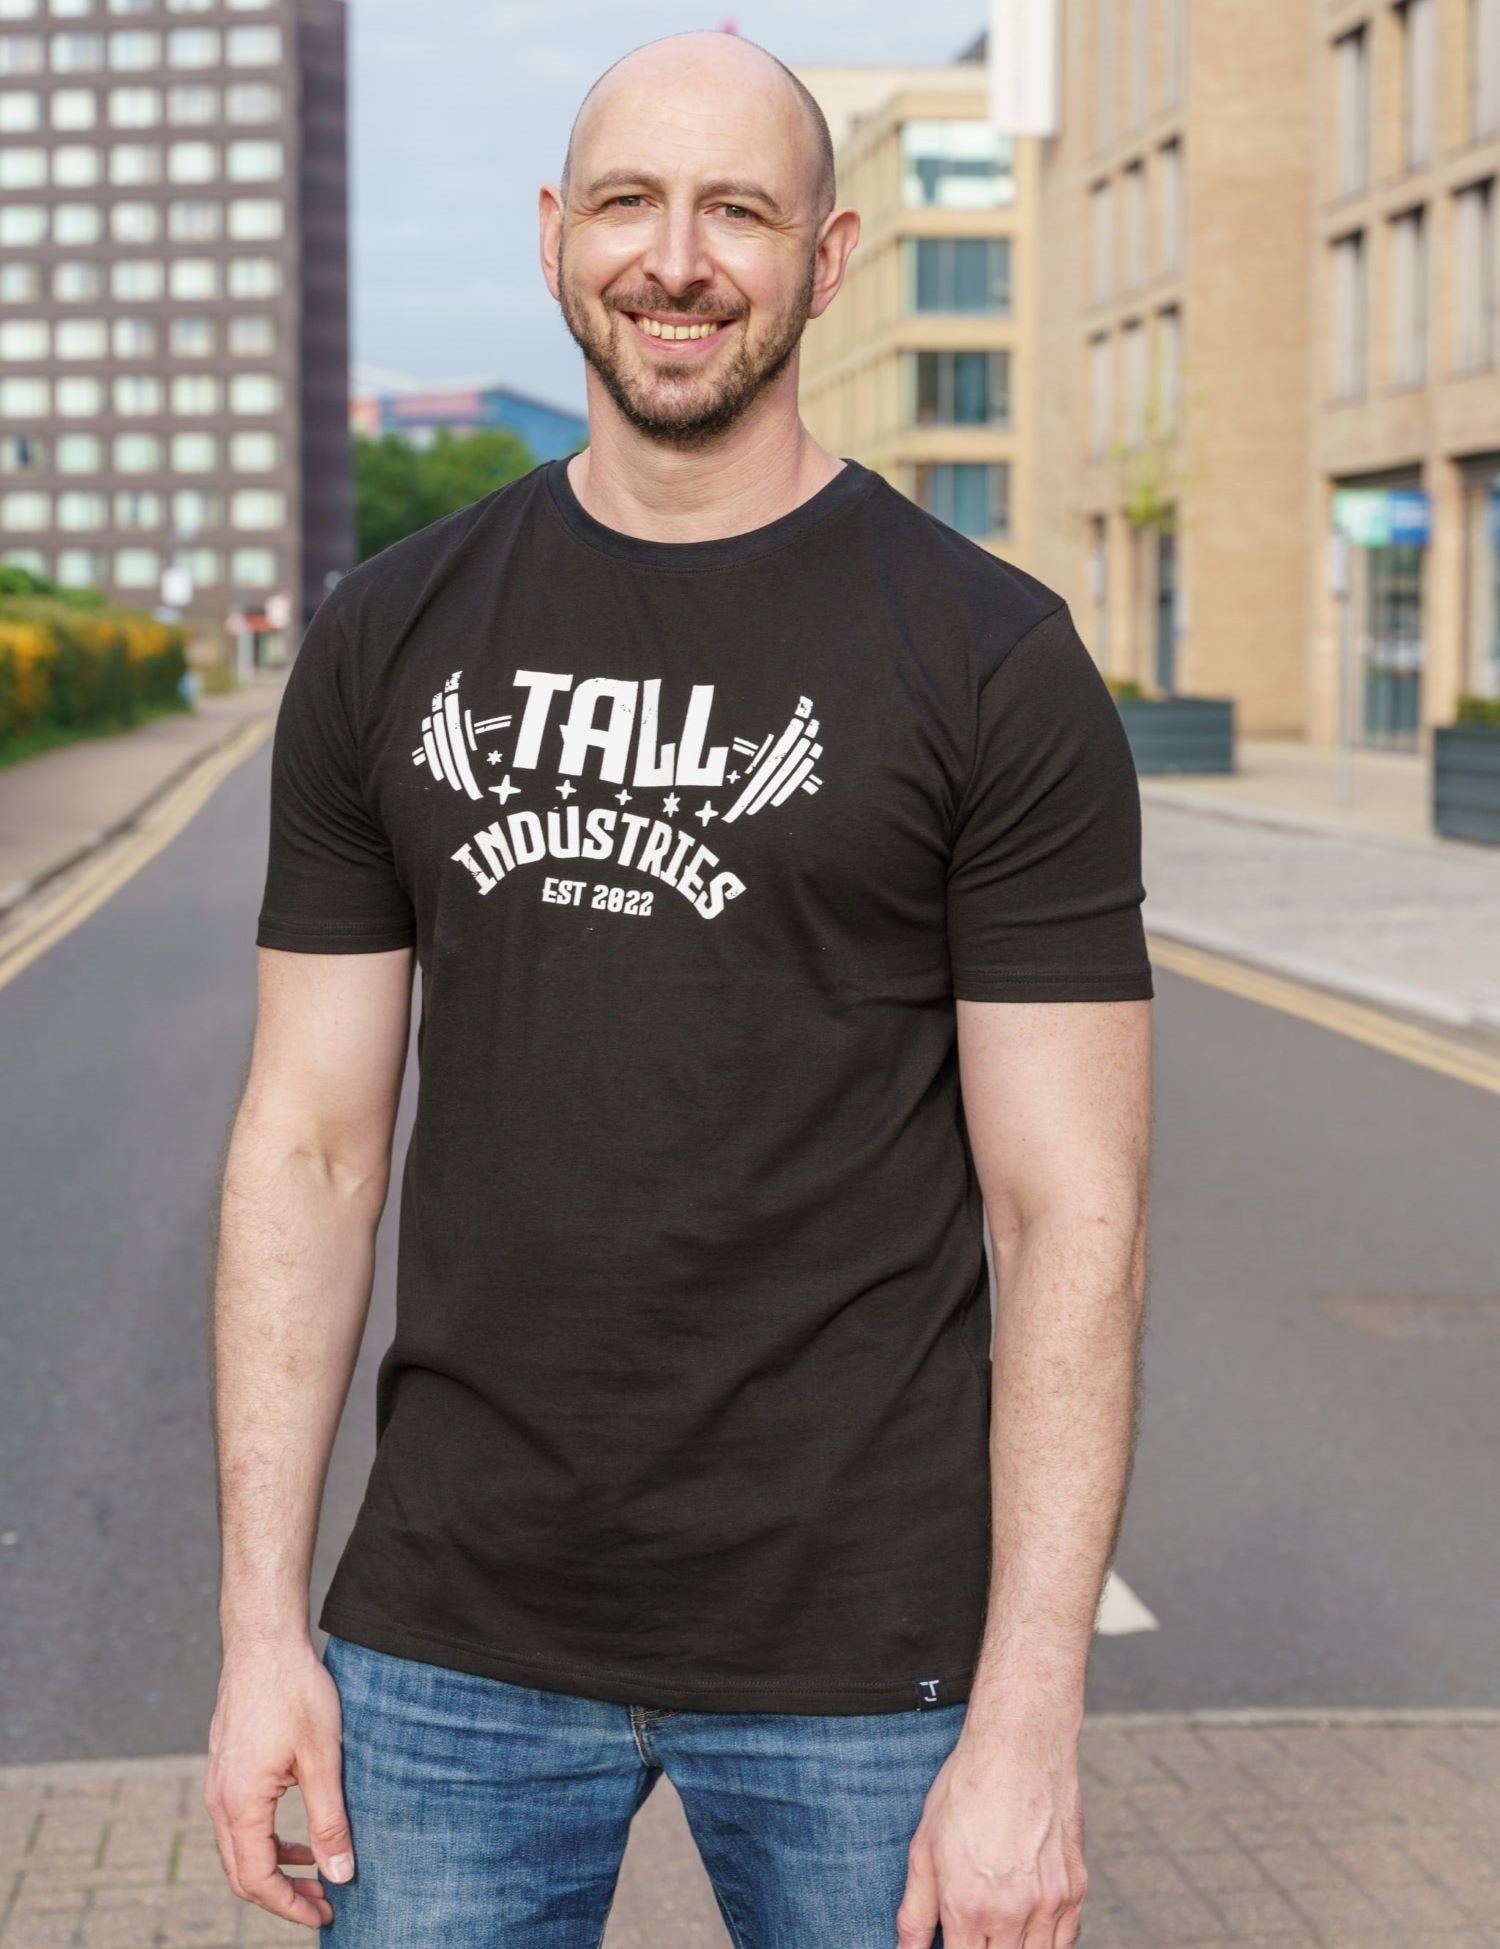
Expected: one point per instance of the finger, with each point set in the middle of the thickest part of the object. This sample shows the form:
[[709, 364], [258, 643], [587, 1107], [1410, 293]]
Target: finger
[[255, 1850], [917, 1913], [297, 1853], [319, 1774]]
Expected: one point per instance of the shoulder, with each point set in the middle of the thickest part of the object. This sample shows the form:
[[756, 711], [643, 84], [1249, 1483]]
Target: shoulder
[[962, 589]]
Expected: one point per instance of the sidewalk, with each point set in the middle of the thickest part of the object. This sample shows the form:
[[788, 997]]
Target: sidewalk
[[1221, 1829], [61, 806], [1265, 867]]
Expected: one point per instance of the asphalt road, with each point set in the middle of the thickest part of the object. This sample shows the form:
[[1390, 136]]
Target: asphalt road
[[1311, 1520]]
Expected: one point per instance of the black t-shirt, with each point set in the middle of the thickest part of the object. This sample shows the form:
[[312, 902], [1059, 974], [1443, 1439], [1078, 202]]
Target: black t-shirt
[[688, 1401]]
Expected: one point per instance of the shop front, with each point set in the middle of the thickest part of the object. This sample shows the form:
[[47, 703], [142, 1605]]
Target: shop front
[[1389, 525], [1481, 519]]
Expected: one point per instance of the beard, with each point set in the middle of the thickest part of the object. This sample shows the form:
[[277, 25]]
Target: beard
[[676, 406]]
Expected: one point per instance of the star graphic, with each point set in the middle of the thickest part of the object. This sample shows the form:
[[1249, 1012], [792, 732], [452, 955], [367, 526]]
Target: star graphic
[[505, 789], [734, 778], [494, 758], [671, 802], [705, 813], [622, 796], [566, 788]]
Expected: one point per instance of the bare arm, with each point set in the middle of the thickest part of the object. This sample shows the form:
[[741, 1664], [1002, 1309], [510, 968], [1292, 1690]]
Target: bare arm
[[1057, 1098], [305, 1182]]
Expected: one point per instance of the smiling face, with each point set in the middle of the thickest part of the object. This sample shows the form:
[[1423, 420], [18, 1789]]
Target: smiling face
[[684, 249]]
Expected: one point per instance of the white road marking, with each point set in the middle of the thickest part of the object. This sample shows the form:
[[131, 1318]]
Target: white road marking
[[1121, 1611]]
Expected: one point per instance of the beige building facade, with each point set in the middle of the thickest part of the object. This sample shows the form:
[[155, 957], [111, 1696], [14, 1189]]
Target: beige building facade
[[917, 369]]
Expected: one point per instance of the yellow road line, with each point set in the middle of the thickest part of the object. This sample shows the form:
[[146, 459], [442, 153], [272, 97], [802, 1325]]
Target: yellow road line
[[87, 890], [1426, 1047]]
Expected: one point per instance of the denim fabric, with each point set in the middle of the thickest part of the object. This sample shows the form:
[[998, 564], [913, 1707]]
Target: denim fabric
[[495, 1816]]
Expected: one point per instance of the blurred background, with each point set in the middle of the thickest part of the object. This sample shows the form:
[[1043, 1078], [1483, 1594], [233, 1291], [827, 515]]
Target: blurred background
[[1190, 309]]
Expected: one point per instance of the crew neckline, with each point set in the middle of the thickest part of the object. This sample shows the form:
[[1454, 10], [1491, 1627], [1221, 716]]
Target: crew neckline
[[848, 485]]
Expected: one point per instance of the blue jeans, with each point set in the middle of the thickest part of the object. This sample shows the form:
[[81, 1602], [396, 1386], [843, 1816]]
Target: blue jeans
[[495, 1816]]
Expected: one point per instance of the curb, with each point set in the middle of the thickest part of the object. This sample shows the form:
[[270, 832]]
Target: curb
[[1397, 1718], [18, 892], [1439, 1010]]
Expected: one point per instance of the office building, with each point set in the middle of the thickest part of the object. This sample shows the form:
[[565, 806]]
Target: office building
[[174, 301], [418, 413]]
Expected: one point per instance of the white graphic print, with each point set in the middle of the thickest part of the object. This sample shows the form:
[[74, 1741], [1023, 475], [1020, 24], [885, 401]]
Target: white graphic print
[[625, 750]]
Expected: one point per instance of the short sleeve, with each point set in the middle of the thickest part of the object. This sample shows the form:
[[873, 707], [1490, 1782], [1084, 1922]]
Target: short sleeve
[[331, 884], [1044, 881]]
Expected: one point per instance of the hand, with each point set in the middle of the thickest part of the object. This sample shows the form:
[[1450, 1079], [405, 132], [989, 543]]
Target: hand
[[997, 1857], [277, 1722]]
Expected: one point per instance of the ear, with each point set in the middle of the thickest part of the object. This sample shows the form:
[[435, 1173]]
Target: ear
[[550, 221], [836, 240]]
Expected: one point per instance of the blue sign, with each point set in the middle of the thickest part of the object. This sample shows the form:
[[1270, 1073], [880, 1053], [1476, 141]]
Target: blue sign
[[1410, 515], [1383, 517]]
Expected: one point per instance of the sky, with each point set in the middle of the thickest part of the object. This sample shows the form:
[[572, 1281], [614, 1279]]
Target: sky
[[460, 111]]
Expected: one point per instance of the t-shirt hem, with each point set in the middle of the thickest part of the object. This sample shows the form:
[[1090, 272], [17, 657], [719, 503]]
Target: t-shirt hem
[[1061, 986], [323, 940], [618, 1687]]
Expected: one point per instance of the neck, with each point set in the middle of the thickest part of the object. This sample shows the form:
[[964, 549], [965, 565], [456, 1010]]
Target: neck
[[759, 470]]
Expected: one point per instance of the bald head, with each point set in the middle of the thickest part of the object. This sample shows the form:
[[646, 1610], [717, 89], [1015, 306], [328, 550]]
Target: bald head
[[709, 65]]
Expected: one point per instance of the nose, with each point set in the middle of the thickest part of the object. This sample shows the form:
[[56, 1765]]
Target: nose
[[677, 256]]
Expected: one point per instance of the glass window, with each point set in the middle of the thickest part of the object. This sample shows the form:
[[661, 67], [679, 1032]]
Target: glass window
[[80, 399], [253, 568], [246, 6], [251, 337], [252, 453], [254, 392], [253, 47], [23, 338], [135, 49], [137, 453], [956, 166], [253, 162], [131, 6], [76, 283], [23, 168], [257, 507], [202, 564], [24, 511], [72, 9], [78, 453], [137, 393], [192, 105], [74, 167], [20, 54], [193, 47], [973, 497], [961, 388], [77, 53], [21, 453], [137, 568], [81, 338], [134, 108], [17, 9], [22, 223], [77, 223], [24, 398], [135, 223], [254, 220], [252, 101], [134, 338], [75, 108], [254, 277], [1481, 515], [79, 568], [191, 6], [79, 509], [135, 279], [960, 274], [31, 559], [192, 162], [194, 453], [137, 507], [20, 111], [19, 283], [194, 509], [195, 392], [195, 223], [191, 338], [134, 162], [194, 277]]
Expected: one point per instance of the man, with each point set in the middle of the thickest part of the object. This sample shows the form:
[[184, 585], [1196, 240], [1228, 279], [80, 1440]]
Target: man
[[771, 852]]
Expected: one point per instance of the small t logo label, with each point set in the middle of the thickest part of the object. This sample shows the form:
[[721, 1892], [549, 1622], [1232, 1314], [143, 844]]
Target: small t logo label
[[928, 1691]]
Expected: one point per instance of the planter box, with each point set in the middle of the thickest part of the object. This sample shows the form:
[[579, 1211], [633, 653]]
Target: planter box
[[1179, 734], [1466, 781]]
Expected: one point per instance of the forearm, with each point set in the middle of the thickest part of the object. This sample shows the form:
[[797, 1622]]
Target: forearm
[[1065, 1378], [295, 1264]]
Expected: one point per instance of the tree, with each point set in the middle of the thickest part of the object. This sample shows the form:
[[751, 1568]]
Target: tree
[[399, 487]]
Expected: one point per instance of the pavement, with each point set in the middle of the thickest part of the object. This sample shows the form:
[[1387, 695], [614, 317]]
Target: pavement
[[1220, 1829], [1237, 1830]]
